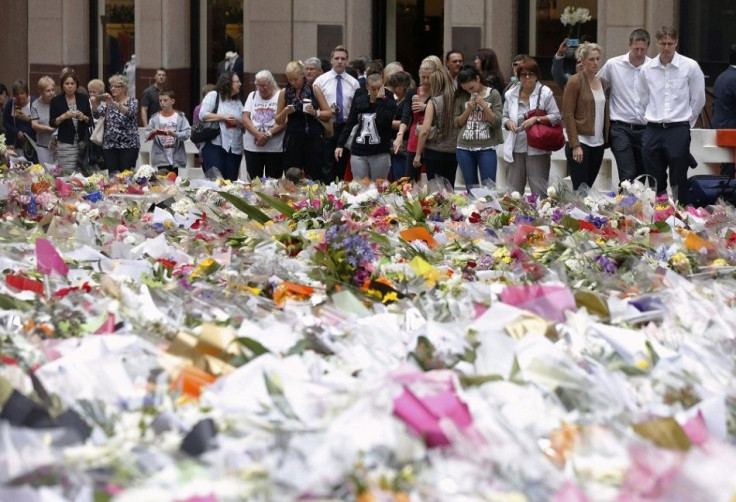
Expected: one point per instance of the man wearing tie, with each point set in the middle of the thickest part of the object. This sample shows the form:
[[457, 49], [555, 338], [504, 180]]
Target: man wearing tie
[[338, 88]]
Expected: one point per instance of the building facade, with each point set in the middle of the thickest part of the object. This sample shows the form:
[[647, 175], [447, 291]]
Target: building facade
[[190, 37]]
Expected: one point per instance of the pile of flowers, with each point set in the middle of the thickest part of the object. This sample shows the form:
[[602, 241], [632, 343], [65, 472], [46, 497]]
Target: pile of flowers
[[206, 340]]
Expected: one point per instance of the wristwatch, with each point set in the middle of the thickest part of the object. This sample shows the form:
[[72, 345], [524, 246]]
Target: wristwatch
[[538, 120], [268, 134]]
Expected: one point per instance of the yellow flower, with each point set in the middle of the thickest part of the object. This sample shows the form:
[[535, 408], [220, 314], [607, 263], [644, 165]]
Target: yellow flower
[[642, 364], [679, 259], [719, 262], [502, 254], [205, 267], [390, 297], [425, 270]]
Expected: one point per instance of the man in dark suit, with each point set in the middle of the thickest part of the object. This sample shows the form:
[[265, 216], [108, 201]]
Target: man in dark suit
[[233, 63], [724, 107]]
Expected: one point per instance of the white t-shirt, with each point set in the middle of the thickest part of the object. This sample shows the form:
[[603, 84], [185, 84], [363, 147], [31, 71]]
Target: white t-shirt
[[168, 142], [600, 111], [263, 115]]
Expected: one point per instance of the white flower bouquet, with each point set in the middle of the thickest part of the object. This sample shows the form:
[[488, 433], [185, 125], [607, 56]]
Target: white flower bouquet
[[573, 18]]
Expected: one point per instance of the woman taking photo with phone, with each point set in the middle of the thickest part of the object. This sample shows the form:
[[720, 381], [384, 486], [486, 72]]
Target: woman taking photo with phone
[[121, 141]]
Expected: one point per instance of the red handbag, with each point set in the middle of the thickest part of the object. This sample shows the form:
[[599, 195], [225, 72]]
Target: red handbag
[[543, 136]]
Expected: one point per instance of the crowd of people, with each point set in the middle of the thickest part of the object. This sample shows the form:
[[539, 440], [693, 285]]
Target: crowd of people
[[388, 126], [60, 129]]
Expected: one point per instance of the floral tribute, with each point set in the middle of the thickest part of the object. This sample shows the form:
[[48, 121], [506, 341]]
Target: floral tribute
[[573, 18], [170, 339]]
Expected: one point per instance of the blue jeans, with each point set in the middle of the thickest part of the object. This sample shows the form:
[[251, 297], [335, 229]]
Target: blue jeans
[[472, 161], [398, 166], [227, 162]]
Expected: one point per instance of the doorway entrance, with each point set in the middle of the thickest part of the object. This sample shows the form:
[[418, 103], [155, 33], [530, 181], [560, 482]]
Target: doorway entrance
[[417, 31]]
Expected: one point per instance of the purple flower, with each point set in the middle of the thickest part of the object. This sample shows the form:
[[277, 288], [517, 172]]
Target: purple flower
[[628, 201], [524, 219], [597, 221], [485, 262], [361, 275], [608, 266]]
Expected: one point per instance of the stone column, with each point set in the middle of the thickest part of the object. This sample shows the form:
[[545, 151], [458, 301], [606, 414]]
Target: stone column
[[58, 36], [162, 40], [14, 13], [359, 28]]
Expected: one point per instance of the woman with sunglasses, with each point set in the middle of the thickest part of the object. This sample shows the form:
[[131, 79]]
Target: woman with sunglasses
[[121, 141], [523, 162]]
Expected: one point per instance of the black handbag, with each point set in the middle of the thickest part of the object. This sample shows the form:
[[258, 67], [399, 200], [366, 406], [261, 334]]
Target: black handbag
[[706, 189], [206, 131]]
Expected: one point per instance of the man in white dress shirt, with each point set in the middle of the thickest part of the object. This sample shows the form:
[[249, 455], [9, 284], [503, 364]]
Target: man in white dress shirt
[[673, 94], [338, 88], [621, 75]]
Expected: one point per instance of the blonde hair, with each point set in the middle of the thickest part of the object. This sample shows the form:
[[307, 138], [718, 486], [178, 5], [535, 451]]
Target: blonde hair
[[296, 67], [440, 84], [432, 63], [585, 49], [96, 85], [44, 82]]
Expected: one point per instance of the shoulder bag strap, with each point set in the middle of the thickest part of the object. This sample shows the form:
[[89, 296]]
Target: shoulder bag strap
[[539, 96]]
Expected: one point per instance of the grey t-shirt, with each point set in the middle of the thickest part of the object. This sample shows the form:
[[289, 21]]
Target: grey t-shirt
[[42, 112]]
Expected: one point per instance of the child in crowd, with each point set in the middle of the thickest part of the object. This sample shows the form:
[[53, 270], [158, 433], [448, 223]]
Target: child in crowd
[[295, 175], [169, 129]]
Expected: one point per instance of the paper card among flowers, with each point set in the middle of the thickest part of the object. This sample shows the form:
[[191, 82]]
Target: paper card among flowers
[[550, 301]]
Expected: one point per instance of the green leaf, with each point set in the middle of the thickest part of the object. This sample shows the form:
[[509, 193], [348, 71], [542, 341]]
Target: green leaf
[[569, 222], [298, 348], [380, 239], [252, 212], [478, 380], [10, 303], [276, 391], [664, 432], [252, 345], [279, 205]]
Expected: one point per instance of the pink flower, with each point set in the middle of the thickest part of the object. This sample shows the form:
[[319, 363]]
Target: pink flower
[[120, 232], [651, 471]]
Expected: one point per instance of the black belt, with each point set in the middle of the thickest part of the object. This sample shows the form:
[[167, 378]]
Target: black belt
[[633, 127], [667, 125]]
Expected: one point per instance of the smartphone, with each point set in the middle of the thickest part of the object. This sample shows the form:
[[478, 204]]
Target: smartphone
[[573, 42]]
